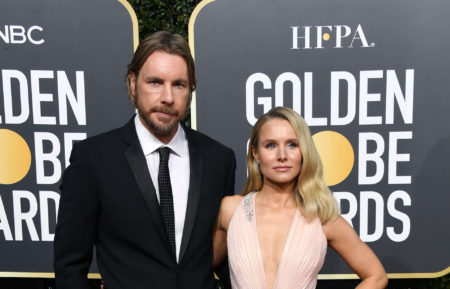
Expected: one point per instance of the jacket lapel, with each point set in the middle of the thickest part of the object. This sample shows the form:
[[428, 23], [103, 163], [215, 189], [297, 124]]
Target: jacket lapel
[[138, 165], [195, 186]]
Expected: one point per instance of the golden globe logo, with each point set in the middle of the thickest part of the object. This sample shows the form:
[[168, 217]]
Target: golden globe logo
[[19, 110], [36, 137], [15, 156], [316, 37]]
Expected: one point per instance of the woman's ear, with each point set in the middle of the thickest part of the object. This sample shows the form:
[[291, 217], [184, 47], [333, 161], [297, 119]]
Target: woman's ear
[[254, 153]]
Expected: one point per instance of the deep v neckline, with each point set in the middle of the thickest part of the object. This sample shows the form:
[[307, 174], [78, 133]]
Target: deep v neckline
[[283, 252]]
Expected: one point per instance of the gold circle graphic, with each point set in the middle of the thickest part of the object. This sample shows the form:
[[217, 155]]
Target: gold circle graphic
[[337, 155], [326, 36], [15, 157]]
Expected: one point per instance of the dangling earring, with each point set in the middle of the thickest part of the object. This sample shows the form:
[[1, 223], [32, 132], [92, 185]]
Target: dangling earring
[[257, 166]]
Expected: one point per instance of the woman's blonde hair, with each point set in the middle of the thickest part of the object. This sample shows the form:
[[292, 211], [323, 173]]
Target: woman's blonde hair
[[312, 195]]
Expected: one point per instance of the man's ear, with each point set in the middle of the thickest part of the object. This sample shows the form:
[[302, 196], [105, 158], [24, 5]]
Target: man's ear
[[132, 83]]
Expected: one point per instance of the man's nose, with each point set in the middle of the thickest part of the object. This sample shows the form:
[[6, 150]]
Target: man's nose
[[167, 95]]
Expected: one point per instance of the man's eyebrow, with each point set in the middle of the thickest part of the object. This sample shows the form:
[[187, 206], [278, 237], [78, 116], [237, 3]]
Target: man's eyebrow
[[181, 80], [153, 78]]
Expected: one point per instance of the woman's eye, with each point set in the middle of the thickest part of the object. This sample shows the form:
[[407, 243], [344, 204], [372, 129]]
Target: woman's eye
[[293, 145], [270, 145]]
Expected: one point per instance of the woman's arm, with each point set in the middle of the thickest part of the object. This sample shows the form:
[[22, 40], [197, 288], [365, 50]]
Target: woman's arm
[[219, 242], [226, 211], [344, 240]]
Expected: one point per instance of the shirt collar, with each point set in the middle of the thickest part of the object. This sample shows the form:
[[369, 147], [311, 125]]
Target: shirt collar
[[149, 143]]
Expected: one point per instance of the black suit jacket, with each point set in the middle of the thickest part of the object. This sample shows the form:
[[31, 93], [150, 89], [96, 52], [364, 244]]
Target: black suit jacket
[[108, 200]]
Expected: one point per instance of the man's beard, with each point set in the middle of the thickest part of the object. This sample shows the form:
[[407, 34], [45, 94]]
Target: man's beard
[[160, 129]]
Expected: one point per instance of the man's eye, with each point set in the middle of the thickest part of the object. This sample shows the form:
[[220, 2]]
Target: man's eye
[[180, 85], [154, 82]]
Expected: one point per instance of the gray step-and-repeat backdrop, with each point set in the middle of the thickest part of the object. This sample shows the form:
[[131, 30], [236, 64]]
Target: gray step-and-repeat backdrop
[[372, 80], [62, 72]]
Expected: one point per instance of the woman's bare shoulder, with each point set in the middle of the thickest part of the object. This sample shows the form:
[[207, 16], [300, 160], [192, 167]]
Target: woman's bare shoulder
[[230, 203], [227, 208], [338, 228]]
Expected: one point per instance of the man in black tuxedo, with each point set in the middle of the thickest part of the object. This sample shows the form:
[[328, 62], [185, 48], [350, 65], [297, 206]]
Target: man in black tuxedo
[[147, 194]]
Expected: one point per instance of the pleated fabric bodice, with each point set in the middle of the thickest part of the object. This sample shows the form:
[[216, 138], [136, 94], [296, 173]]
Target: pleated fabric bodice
[[302, 258]]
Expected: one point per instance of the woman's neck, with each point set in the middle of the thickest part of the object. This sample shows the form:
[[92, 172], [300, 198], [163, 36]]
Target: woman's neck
[[277, 196]]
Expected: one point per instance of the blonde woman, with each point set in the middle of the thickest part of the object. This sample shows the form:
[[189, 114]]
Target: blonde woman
[[277, 232]]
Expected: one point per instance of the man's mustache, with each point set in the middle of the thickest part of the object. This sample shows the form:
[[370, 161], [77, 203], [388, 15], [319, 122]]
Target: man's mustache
[[164, 109]]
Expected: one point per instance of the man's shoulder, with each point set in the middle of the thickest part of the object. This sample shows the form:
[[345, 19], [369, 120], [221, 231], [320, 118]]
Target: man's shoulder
[[106, 139]]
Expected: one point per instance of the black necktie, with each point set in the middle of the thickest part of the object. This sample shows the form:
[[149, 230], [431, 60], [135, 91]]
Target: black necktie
[[165, 197]]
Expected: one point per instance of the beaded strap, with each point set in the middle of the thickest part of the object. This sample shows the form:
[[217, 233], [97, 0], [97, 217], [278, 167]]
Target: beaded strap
[[248, 207]]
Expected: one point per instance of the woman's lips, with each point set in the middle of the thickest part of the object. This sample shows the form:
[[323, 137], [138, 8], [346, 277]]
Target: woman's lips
[[282, 168]]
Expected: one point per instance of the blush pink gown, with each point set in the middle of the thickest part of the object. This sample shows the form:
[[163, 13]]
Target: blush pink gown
[[301, 260]]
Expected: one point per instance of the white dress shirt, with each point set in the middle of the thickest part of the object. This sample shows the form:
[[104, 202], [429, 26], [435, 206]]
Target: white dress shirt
[[178, 169]]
